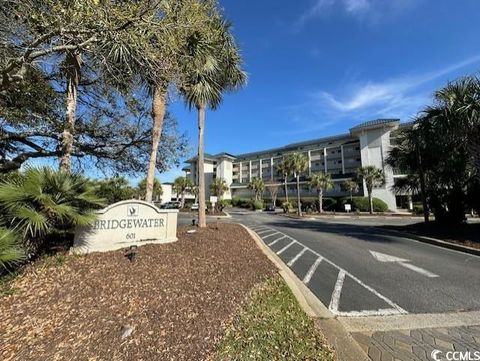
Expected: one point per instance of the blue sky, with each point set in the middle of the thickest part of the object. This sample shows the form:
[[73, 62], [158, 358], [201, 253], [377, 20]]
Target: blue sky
[[318, 67]]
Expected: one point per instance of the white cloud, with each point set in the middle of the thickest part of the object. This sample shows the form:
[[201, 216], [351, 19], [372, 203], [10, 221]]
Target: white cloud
[[387, 93], [373, 11], [357, 6], [314, 11], [400, 97]]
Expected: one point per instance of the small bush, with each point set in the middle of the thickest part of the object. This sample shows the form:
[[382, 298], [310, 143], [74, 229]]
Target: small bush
[[286, 206], [257, 205], [361, 204], [417, 209], [43, 203]]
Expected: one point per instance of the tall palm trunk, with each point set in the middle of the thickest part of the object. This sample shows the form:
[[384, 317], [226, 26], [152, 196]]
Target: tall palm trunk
[[182, 204], [370, 201], [158, 115], [320, 200], [299, 206], [202, 221], [73, 64], [286, 190]]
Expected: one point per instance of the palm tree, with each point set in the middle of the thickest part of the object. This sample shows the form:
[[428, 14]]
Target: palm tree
[[299, 164], [407, 157], [71, 68], [321, 182], [11, 253], [159, 103], [218, 187], [43, 202], [285, 169], [182, 185], [373, 177], [258, 187], [209, 73], [156, 192], [351, 187]]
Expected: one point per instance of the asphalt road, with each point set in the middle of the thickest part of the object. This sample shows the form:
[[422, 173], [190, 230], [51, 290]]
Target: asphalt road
[[356, 269]]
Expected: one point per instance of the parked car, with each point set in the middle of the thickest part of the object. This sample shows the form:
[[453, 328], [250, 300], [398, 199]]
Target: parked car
[[194, 207], [171, 205], [270, 207]]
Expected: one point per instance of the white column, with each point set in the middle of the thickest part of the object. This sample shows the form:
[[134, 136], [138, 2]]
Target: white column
[[271, 168], [325, 159], [343, 160], [240, 174], [250, 171], [261, 169], [309, 163]]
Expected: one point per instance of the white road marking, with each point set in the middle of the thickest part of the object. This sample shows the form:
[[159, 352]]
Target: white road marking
[[419, 270], [337, 291], [385, 258], [270, 235], [366, 313], [395, 310], [294, 259], [382, 257], [278, 239], [312, 270], [265, 231], [285, 248]]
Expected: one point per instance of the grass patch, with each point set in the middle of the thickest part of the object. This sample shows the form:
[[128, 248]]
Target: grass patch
[[272, 326], [6, 281]]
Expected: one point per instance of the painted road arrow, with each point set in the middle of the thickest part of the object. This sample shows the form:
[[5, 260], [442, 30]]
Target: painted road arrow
[[385, 258]]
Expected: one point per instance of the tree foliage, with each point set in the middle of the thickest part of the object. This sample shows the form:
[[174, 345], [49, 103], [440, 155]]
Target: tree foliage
[[42, 202], [258, 187], [438, 153]]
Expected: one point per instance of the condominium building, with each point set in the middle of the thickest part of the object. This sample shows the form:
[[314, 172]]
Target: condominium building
[[340, 156]]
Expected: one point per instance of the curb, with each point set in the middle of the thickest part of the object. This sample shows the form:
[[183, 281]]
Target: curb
[[435, 242], [346, 348]]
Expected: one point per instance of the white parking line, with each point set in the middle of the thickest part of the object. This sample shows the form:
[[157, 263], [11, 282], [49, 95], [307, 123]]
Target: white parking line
[[312, 270], [285, 248], [270, 235], [294, 259], [337, 291], [395, 310], [265, 231], [278, 239]]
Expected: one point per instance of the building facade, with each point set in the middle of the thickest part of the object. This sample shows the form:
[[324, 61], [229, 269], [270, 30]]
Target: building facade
[[340, 156]]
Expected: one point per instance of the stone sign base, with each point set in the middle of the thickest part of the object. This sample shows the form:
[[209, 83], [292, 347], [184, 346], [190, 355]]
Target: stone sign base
[[125, 224]]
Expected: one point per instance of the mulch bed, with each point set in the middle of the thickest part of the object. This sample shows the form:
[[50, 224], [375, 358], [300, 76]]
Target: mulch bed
[[177, 298]]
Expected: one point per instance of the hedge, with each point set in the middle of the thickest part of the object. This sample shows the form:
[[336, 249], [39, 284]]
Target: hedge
[[361, 204]]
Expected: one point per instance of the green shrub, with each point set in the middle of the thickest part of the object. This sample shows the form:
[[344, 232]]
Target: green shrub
[[417, 208], [257, 205], [114, 190], [361, 204], [43, 203], [287, 206], [11, 253], [235, 201]]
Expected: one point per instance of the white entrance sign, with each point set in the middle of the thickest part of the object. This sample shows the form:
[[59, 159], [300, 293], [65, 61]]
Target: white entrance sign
[[125, 224], [348, 207]]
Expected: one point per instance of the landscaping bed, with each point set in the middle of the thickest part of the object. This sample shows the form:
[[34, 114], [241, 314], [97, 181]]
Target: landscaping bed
[[465, 234], [172, 303]]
